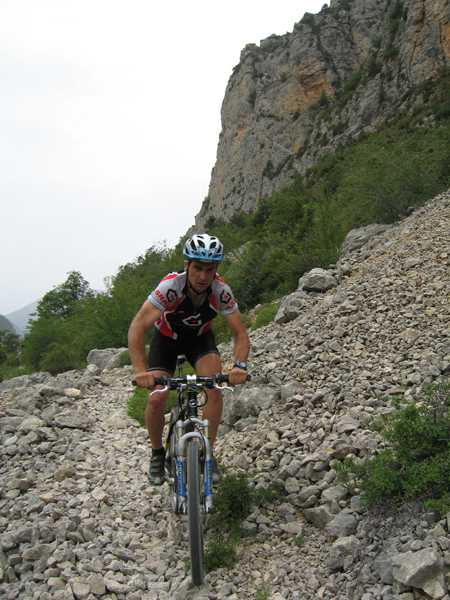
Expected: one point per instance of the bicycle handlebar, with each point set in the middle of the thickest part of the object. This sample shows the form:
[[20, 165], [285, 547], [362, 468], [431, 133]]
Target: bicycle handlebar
[[208, 381]]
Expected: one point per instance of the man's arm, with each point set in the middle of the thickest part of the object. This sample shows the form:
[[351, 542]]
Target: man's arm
[[241, 346], [146, 318]]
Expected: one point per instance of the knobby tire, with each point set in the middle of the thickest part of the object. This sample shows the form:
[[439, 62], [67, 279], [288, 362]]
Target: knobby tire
[[195, 513], [173, 465]]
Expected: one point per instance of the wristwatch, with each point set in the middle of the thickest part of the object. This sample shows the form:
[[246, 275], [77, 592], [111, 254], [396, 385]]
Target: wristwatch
[[241, 364]]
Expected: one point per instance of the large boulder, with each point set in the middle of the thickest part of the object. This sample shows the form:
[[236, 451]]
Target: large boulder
[[320, 515], [291, 307], [422, 569], [356, 238], [342, 547], [344, 524], [317, 280], [248, 402], [105, 359]]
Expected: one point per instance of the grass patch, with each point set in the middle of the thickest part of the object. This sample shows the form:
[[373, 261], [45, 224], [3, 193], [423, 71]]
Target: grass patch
[[266, 315], [8, 372], [263, 592]]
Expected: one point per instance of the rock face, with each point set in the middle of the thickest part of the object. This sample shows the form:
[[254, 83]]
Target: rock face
[[78, 519], [270, 112]]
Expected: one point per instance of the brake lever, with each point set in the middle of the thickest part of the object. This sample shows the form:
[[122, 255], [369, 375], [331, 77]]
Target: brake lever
[[225, 387], [159, 391]]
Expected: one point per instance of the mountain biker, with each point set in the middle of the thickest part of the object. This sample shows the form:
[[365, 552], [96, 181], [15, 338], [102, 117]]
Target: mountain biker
[[181, 310]]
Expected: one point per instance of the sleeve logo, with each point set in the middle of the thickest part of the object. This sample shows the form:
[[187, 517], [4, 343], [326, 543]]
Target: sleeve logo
[[171, 295], [225, 297]]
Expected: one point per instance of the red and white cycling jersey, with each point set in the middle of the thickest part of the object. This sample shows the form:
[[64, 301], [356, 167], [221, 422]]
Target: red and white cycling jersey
[[180, 319]]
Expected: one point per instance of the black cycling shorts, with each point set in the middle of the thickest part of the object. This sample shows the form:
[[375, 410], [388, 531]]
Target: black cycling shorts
[[163, 351]]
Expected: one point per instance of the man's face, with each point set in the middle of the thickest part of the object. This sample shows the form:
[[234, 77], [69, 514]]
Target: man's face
[[201, 274]]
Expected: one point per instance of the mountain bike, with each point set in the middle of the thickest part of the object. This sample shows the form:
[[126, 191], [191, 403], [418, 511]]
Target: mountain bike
[[189, 457]]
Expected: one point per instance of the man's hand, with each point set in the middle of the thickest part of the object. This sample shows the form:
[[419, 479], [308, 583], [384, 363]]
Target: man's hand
[[237, 376], [145, 380]]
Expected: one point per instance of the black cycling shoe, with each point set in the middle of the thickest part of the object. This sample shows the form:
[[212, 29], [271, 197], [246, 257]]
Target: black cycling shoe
[[156, 471], [216, 472]]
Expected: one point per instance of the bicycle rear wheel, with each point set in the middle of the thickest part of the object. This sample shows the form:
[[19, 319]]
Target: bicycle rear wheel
[[194, 502]]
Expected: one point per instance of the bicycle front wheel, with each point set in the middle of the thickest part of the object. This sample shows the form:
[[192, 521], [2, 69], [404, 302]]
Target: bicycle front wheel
[[171, 463], [194, 502]]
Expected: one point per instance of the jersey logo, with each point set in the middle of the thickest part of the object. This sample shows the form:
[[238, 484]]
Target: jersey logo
[[225, 297], [171, 295], [193, 320], [231, 304]]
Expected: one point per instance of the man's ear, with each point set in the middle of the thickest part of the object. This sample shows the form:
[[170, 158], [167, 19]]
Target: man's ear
[[186, 264]]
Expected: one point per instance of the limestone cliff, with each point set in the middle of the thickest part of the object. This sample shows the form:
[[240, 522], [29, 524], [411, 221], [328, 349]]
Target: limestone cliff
[[360, 59]]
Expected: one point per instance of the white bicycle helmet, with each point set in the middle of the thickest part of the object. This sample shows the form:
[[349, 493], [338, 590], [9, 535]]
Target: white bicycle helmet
[[203, 247]]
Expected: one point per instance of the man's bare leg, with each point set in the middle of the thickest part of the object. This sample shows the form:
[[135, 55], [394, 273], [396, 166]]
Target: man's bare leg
[[210, 364], [154, 414]]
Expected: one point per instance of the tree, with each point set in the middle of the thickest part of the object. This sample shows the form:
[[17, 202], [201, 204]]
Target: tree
[[9, 342], [62, 299], [59, 329]]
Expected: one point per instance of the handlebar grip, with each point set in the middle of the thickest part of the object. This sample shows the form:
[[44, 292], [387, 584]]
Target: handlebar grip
[[224, 378], [158, 381]]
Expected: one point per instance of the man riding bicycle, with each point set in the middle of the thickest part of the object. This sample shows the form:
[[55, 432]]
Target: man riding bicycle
[[181, 310]]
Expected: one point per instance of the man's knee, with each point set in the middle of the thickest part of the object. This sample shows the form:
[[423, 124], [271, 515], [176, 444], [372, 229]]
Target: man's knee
[[157, 402], [214, 396]]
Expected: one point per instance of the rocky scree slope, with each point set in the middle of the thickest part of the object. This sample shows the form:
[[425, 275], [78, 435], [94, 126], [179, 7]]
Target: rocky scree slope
[[79, 520], [270, 113]]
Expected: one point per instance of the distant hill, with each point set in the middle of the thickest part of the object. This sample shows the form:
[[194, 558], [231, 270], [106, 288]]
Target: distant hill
[[20, 318], [6, 325]]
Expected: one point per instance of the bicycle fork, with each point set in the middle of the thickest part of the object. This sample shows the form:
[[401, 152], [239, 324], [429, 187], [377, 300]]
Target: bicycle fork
[[182, 440]]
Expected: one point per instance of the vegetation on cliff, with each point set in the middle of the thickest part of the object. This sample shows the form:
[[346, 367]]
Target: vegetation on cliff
[[377, 177]]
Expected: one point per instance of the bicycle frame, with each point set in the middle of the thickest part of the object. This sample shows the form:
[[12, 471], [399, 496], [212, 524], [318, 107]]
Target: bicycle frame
[[192, 385]]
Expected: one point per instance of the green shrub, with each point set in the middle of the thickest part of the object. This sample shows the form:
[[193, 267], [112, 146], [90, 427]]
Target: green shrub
[[308, 19], [59, 359], [220, 553], [377, 41], [391, 51], [443, 112], [232, 505], [233, 498], [373, 67], [124, 358], [266, 315], [353, 81], [416, 463]]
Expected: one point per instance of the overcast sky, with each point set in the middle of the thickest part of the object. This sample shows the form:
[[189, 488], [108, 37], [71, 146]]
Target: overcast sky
[[109, 121]]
